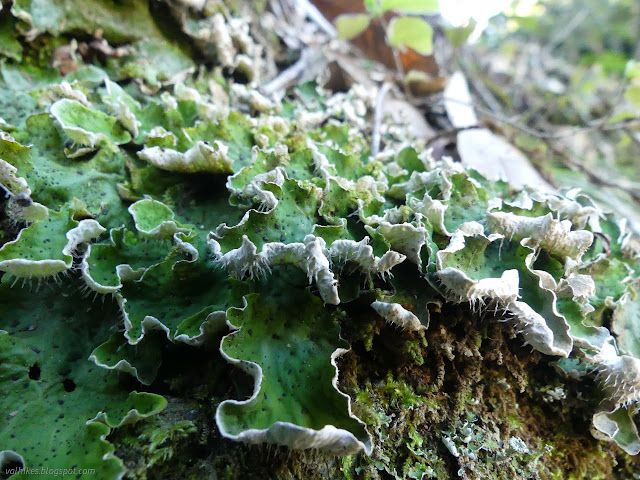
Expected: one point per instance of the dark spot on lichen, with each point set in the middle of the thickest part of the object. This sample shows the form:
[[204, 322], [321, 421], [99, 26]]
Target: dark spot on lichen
[[69, 385], [34, 371]]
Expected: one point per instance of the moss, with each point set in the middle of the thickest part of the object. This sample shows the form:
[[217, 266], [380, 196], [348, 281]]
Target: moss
[[485, 400], [168, 447], [276, 245]]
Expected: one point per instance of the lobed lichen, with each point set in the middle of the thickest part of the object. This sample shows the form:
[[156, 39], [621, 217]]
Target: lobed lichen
[[183, 211]]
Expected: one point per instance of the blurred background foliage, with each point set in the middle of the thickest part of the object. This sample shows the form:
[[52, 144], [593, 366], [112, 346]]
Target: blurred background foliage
[[561, 80]]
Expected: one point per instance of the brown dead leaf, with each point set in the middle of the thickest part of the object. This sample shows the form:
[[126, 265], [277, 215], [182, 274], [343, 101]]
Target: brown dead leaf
[[346, 71], [412, 60], [64, 58], [332, 8], [421, 84], [372, 42]]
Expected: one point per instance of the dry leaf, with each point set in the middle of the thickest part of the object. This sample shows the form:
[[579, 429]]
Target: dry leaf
[[483, 150]]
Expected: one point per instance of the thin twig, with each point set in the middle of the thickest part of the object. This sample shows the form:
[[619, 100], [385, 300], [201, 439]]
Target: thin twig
[[486, 95], [377, 118], [568, 29], [635, 136], [450, 133], [599, 124], [314, 14], [594, 177], [289, 76]]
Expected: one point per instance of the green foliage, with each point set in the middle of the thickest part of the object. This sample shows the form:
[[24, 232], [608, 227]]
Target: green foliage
[[417, 7], [411, 32], [197, 216], [350, 25], [404, 31], [604, 30]]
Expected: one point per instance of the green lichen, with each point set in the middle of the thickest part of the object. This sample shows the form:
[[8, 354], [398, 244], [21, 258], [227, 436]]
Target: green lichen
[[294, 398], [183, 212], [59, 407]]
